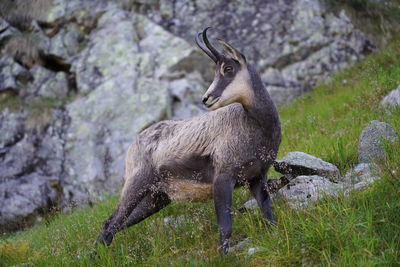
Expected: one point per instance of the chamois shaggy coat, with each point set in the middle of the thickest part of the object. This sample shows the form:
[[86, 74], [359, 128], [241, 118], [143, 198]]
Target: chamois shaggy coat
[[184, 154], [208, 155]]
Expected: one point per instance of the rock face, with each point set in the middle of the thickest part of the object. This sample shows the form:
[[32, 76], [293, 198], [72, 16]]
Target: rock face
[[25, 198], [392, 99], [9, 73], [300, 163], [371, 143], [110, 69], [126, 93], [31, 160], [293, 43]]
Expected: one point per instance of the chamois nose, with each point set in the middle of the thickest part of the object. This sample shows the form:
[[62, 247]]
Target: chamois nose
[[205, 99]]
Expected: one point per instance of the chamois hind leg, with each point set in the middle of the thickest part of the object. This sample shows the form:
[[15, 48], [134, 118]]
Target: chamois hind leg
[[151, 203], [134, 190], [259, 189]]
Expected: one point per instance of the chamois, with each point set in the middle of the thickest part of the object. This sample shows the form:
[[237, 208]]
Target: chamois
[[205, 156]]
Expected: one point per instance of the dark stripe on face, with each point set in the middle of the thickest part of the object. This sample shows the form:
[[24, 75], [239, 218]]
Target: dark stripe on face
[[227, 78]]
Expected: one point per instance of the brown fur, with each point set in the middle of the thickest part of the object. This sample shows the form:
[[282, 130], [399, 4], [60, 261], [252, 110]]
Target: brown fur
[[188, 191]]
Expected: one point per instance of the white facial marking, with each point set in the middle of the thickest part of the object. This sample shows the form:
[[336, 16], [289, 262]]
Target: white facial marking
[[212, 87], [221, 69], [239, 90], [211, 100]]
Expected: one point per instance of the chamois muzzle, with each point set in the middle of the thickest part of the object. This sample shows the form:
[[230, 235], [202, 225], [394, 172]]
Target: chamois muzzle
[[207, 48], [208, 101]]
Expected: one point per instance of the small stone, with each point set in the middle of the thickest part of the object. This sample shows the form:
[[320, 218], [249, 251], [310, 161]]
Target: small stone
[[174, 221], [253, 250], [9, 71], [249, 205], [371, 145], [305, 189], [360, 173], [240, 246], [392, 99]]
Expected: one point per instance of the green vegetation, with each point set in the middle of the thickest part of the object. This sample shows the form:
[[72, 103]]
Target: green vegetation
[[373, 9], [361, 229], [381, 19]]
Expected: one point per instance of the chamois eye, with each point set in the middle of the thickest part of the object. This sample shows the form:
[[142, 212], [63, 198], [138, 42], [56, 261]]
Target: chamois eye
[[228, 69]]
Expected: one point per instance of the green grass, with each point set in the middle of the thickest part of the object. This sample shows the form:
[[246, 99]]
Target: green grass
[[361, 229]]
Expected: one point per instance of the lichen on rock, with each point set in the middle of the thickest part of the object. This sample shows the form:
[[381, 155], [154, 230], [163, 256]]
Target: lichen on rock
[[120, 72]]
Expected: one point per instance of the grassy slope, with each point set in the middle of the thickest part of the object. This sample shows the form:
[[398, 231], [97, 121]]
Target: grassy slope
[[361, 229]]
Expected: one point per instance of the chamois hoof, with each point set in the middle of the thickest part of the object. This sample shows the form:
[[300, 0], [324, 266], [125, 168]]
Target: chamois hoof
[[104, 239], [224, 248]]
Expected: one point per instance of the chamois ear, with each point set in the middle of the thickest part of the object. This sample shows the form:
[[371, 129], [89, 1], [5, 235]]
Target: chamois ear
[[232, 52]]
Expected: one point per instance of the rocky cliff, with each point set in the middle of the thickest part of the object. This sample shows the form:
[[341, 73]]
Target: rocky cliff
[[105, 70]]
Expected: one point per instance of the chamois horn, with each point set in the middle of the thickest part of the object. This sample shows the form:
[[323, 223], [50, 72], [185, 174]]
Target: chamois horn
[[208, 48]]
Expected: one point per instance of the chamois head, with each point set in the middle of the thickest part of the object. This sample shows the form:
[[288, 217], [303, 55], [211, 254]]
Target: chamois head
[[232, 79]]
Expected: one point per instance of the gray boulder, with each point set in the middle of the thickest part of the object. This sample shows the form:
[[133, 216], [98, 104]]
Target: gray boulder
[[17, 159], [11, 128], [300, 163], [274, 185], [23, 199], [371, 143], [363, 172], [251, 204], [12, 74], [31, 171], [67, 42], [46, 83], [360, 177], [186, 87], [392, 99], [305, 189]]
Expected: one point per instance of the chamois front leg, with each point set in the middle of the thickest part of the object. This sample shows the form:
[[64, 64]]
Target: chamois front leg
[[223, 189], [259, 189]]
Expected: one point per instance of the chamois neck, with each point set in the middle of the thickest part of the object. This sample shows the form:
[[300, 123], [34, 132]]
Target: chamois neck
[[261, 108]]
